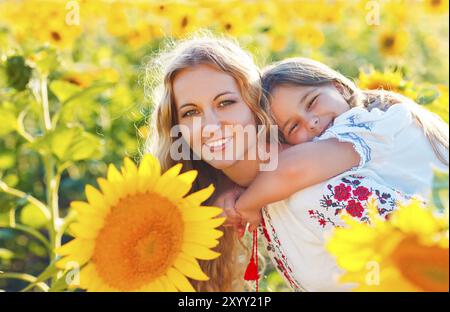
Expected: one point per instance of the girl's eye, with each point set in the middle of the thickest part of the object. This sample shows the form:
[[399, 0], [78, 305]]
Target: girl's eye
[[191, 112], [292, 128], [226, 103], [311, 103]]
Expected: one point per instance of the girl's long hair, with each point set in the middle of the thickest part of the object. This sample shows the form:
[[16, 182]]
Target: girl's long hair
[[307, 72], [224, 54]]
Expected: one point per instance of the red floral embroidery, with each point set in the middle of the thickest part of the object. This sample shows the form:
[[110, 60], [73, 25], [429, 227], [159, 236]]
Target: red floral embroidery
[[362, 193], [354, 208], [323, 221], [350, 195], [342, 192]]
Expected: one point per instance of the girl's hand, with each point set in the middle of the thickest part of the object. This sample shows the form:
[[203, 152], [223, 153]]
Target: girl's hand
[[227, 201], [251, 216]]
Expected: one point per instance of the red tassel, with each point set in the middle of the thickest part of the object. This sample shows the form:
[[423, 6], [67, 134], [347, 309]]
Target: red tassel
[[251, 273]]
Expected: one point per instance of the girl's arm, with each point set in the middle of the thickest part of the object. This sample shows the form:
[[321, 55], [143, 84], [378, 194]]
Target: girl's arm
[[299, 166], [225, 196]]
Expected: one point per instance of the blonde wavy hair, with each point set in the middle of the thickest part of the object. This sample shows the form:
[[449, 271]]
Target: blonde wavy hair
[[307, 72], [226, 55]]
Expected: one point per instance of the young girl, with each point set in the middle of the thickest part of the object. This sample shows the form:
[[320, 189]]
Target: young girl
[[398, 142]]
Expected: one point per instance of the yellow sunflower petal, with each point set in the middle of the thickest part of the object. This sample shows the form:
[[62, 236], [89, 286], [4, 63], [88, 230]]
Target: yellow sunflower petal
[[176, 190], [415, 219], [199, 252], [148, 174], [82, 230], [75, 246], [83, 208], [179, 280], [198, 238], [93, 220], [129, 168], [168, 285], [166, 178], [87, 274], [81, 257], [180, 186], [113, 174], [129, 173], [155, 286], [188, 176], [95, 198], [108, 191], [96, 284], [207, 233], [155, 170], [153, 162], [199, 197], [200, 213], [211, 223], [190, 267]]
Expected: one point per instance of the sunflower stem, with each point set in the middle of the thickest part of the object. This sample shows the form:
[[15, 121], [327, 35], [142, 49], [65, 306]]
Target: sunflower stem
[[32, 200], [24, 277], [44, 102], [52, 178], [21, 127]]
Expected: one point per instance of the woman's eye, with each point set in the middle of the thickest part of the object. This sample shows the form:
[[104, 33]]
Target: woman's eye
[[226, 103], [191, 112]]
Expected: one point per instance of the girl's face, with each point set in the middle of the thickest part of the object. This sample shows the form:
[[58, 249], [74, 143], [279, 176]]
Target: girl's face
[[305, 112], [208, 101]]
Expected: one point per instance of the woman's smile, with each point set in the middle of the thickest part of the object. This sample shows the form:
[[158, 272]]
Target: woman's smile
[[218, 145]]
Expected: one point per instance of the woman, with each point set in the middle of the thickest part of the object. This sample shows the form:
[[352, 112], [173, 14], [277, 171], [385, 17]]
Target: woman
[[210, 84]]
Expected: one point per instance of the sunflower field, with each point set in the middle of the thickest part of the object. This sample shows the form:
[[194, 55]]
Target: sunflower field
[[73, 106]]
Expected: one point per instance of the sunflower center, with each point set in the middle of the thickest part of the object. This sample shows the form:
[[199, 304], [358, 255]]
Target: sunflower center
[[385, 85], [389, 42], [139, 241], [436, 2], [424, 266]]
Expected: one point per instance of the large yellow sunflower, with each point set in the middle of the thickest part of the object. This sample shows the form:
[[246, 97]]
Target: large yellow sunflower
[[140, 232], [408, 252], [388, 80]]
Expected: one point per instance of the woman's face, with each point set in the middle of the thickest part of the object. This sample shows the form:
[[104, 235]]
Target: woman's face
[[305, 112], [209, 104]]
